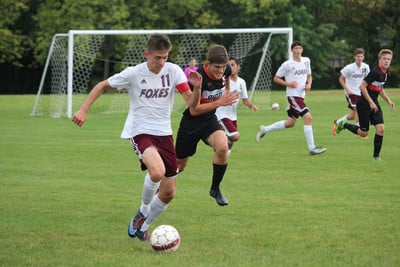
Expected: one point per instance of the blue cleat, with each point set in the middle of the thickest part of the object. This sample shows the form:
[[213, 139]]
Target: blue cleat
[[135, 224]]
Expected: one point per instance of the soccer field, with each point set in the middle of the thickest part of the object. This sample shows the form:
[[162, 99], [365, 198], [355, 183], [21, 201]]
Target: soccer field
[[68, 193]]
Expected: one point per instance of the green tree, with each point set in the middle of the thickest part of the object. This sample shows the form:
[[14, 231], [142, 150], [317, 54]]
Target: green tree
[[13, 43]]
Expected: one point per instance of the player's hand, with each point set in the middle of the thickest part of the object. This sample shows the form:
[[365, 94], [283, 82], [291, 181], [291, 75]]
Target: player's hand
[[195, 78], [373, 107], [228, 98], [292, 84], [79, 118], [391, 105]]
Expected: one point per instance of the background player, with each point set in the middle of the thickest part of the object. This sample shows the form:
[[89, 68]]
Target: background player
[[295, 74], [227, 115], [368, 108], [350, 79]]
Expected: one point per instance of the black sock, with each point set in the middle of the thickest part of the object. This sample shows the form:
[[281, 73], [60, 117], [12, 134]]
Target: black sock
[[352, 128], [377, 144], [218, 174]]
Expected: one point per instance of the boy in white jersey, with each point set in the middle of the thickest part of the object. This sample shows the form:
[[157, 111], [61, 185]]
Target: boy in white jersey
[[350, 79], [295, 74], [151, 87], [227, 115]]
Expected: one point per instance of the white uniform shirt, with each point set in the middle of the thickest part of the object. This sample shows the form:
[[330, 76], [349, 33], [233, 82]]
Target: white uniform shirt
[[295, 71], [230, 111], [151, 98], [353, 76]]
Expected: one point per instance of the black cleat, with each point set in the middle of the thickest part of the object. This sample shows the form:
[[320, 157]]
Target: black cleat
[[219, 197]]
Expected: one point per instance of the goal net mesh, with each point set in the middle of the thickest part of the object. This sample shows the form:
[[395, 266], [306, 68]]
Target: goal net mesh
[[98, 56]]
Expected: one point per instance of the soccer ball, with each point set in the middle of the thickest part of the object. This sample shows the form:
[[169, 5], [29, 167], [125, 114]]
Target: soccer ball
[[275, 106], [165, 238]]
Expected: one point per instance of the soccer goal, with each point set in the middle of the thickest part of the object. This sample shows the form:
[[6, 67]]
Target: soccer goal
[[79, 59]]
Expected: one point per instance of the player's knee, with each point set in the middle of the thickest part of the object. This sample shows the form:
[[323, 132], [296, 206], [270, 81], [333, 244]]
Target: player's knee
[[234, 138], [363, 134], [167, 195]]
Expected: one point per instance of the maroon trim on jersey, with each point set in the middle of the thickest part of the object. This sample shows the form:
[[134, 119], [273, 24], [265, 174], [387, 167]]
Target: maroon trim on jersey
[[374, 88], [183, 87], [382, 69]]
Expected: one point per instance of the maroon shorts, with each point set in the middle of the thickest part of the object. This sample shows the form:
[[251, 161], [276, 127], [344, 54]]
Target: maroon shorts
[[297, 107], [352, 101], [164, 146], [229, 126]]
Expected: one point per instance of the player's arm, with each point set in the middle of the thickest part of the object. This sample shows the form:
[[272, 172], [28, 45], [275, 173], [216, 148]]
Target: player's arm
[[79, 117], [192, 99], [364, 92], [342, 81], [307, 86], [247, 103], [228, 98], [281, 81], [387, 99]]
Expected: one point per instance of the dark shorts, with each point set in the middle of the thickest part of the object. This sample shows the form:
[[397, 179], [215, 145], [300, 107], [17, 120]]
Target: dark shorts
[[367, 116], [297, 107], [191, 131], [351, 100], [229, 126], [164, 146]]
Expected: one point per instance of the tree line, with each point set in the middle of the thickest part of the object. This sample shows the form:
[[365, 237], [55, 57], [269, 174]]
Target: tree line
[[330, 30]]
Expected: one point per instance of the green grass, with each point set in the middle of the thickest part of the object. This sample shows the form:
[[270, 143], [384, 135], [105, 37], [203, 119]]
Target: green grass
[[68, 193]]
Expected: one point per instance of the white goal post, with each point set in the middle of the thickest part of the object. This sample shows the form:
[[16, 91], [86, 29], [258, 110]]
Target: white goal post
[[77, 60]]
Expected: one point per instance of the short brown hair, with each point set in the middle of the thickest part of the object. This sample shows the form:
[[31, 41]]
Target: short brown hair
[[359, 51], [217, 54], [158, 42]]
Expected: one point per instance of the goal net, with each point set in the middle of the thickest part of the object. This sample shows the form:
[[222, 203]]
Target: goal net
[[79, 59]]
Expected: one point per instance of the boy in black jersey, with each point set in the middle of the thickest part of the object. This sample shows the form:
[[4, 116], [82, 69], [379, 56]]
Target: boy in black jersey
[[368, 108], [201, 123]]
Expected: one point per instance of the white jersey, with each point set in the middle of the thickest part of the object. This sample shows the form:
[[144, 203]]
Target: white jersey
[[230, 111], [354, 75], [151, 98], [295, 71]]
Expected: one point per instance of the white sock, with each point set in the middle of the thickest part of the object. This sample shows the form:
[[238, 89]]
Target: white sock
[[279, 125], [308, 132], [156, 208], [149, 189], [341, 119]]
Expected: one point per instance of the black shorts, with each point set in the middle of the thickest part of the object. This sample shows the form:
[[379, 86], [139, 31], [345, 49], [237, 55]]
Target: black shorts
[[192, 129], [367, 116]]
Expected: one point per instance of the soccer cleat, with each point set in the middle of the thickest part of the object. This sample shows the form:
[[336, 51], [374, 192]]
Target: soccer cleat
[[260, 134], [377, 159], [340, 126], [317, 150], [143, 235], [135, 224], [363, 138], [219, 197], [334, 127]]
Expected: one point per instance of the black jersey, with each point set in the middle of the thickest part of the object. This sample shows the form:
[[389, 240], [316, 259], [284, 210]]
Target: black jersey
[[211, 89], [376, 79]]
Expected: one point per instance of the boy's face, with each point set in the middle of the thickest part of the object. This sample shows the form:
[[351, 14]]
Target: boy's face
[[156, 60], [234, 67], [297, 50], [385, 60], [359, 58], [216, 69]]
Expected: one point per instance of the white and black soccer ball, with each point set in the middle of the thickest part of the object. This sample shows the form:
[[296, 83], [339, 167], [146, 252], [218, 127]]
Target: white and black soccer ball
[[275, 106], [165, 238]]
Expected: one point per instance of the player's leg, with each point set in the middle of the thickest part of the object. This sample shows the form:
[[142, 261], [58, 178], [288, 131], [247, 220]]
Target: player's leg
[[217, 140], [158, 205]]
